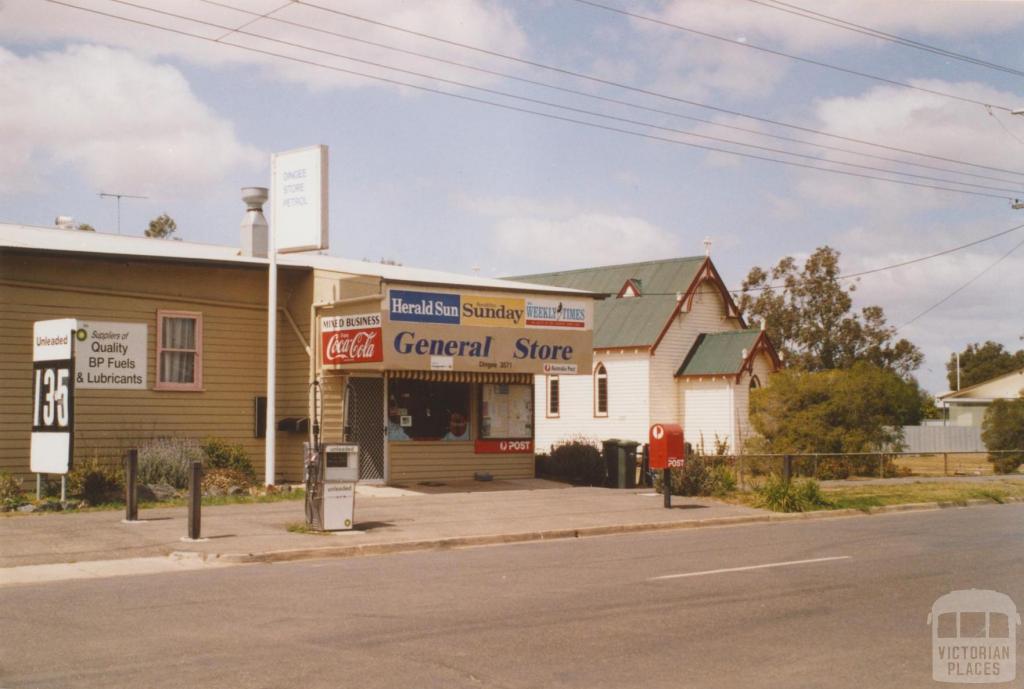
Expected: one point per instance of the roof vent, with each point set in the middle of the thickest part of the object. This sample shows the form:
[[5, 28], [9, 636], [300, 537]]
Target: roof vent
[[254, 225], [64, 222]]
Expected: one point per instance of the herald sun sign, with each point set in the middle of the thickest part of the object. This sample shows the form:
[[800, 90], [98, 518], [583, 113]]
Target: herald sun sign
[[666, 446]]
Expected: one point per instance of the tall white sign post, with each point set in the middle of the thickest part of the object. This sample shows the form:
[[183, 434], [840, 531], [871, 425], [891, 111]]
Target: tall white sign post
[[298, 222], [53, 403]]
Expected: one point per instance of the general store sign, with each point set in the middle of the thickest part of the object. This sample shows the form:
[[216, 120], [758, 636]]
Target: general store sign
[[298, 199], [351, 339], [111, 356], [53, 396], [452, 331]]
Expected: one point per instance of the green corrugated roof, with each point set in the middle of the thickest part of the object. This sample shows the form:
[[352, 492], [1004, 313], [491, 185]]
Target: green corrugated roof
[[633, 321], [718, 353]]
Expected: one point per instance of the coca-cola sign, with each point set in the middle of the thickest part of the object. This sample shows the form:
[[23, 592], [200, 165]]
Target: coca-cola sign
[[351, 339]]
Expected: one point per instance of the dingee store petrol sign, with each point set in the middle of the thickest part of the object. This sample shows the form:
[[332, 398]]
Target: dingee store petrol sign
[[441, 331]]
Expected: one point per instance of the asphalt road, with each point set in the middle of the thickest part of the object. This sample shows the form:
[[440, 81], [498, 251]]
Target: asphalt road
[[587, 613]]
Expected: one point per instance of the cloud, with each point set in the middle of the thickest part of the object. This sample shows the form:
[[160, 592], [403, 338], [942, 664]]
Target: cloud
[[916, 121], [474, 22], [984, 310], [690, 65], [582, 240], [121, 122]]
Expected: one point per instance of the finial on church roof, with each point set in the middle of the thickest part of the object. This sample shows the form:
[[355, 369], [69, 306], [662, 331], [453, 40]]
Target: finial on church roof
[[707, 246]]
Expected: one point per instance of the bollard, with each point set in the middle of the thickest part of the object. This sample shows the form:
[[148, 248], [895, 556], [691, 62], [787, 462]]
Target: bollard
[[131, 489], [787, 468], [195, 494]]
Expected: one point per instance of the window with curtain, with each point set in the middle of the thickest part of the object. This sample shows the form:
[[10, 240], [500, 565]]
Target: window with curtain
[[179, 347], [600, 391], [553, 397]]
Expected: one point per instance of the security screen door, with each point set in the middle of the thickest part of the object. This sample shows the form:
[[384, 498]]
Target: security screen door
[[368, 423]]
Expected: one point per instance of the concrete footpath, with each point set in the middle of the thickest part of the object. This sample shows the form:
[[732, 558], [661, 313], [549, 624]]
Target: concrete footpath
[[40, 547]]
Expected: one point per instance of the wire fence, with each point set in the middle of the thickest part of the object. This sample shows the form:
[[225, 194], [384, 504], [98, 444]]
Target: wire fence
[[751, 468]]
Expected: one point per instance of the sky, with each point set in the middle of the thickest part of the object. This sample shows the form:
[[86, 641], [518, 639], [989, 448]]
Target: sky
[[529, 136]]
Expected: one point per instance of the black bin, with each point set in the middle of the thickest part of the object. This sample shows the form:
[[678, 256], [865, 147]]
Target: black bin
[[610, 453], [627, 452]]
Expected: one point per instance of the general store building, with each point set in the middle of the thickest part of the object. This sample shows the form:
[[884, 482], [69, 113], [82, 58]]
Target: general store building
[[435, 368]]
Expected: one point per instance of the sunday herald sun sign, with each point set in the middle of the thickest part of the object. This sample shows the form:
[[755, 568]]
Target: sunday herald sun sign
[[453, 331]]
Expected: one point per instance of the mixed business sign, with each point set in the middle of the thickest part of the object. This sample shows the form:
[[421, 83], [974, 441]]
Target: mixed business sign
[[491, 333]]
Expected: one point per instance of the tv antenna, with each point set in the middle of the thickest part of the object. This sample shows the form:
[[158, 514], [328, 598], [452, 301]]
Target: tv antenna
[[104, 195]]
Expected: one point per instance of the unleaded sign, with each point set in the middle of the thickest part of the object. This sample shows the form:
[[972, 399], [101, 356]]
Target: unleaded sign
[[53, 401]]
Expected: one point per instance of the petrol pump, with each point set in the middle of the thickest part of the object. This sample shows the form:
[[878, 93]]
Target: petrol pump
[[331, 473]]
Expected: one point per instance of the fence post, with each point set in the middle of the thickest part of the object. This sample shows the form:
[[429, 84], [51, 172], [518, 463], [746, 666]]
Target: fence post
[[131, 492], [739, 472], [787, 468], [195, 494], [881, 466], [945, 463]]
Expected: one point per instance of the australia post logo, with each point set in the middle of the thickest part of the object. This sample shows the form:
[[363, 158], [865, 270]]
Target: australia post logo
[[351, 339]]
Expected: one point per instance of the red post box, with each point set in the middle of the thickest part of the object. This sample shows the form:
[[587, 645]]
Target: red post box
[[667, 450]]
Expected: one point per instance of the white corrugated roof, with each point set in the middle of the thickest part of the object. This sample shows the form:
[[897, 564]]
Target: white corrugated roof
[[76, 241]]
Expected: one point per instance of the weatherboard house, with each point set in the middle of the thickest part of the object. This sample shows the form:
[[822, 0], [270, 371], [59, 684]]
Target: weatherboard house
[[670, 346]]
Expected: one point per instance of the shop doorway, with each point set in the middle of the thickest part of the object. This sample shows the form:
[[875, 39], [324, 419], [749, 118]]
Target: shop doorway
[[368, 424]]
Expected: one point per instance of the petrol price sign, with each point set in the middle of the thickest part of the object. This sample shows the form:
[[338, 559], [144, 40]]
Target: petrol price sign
[[53, 401]]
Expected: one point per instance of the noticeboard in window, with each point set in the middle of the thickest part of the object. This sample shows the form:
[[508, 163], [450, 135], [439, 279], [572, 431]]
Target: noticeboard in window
[[506, 411]]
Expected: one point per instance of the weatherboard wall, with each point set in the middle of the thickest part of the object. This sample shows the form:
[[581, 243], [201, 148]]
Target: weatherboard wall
[[628, 415], [707, 314], [232, 301]]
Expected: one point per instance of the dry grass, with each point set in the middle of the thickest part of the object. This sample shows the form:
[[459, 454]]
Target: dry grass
[[976, 464]]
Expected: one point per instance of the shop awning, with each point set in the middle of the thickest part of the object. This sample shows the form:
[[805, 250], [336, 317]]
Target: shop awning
[[465, 377]]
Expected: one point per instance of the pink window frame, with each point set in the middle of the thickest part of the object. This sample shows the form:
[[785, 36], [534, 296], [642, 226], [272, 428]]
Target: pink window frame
[[197, 384], [600, 373], [547, 397]]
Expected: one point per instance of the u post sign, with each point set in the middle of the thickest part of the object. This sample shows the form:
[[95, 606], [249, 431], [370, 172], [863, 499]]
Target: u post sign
[[53, 390]]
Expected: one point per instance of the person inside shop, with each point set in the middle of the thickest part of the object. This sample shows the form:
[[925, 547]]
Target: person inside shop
[[458, 427], [395, 430]]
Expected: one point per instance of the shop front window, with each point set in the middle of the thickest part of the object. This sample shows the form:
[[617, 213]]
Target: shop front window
[[428, 410], [506, 411]]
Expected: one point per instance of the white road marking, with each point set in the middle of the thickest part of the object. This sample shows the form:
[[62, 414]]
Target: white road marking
[[747, 569]]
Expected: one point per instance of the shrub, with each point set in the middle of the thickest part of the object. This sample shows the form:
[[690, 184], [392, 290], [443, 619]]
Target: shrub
[[221, 481], [793, 496], [10, 491], [96, 482], [577, 461], [1003, 430], [701, 476], [222, 455], [168, 460]]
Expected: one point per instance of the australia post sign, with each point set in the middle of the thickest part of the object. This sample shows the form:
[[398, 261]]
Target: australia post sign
[[353, 339]]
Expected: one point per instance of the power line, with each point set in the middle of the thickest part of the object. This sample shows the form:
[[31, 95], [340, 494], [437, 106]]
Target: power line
[[879, 269], [593, 96], [545, 103], [648, 92], [770, 51], [876, 33], [964, 286], [568, 108], [258, 17]]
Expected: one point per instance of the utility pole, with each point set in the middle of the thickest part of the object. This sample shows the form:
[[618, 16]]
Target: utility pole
[[104, 195]]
